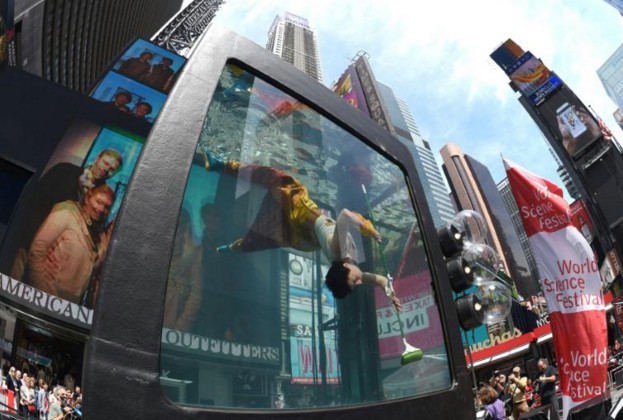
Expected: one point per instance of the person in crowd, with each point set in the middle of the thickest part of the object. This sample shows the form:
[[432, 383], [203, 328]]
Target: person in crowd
[[70, 244], [493, 405], [121, 101], [136, 67], [42, 403], [64, 181], [27, 397], [142, 110], [12, 383], [498, 382], [289, 218], [516, 389], [547, 387], [529, 391], [57, 407], [159, 74], [184, 290], [77, 392]]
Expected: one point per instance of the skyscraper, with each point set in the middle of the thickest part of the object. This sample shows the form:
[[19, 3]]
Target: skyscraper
[[407, 132], [72, 42], [292, 38], [611, 75], [513, 211], [473, 188], [358, 86]]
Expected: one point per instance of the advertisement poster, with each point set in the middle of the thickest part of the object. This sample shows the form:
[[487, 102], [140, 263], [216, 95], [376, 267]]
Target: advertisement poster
[[140, 80], [570, 121], [8, 54], [313, 350], [130, 97], [65, 220], [533, 78], [420, 316], [571, 284], [581, 219], [349, 88]]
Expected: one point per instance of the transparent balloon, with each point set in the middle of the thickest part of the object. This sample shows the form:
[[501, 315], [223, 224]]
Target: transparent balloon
[[472, 225], [483, 261], [495, 300]]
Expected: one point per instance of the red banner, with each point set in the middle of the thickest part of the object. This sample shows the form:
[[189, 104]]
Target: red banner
[[571, 284]]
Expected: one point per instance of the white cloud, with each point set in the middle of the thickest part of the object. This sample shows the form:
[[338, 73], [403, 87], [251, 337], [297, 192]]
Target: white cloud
[[435, 55]]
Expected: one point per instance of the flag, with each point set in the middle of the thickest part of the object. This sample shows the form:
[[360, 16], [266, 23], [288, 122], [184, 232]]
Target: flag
[[571, 284]]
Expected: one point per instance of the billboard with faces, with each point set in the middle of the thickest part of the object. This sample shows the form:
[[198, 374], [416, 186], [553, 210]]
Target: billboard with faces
[[63, 223], [139, 81]]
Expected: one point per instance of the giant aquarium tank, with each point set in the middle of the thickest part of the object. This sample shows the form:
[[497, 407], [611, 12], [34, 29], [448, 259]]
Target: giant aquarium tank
[[208, 298]]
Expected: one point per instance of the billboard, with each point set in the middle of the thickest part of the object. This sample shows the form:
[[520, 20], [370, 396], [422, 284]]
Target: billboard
[[569, 120], [374, 99], [139, 81], [581, 219], [533, 79], [307, 341], [349, 88], [62, 227], [8, 54]]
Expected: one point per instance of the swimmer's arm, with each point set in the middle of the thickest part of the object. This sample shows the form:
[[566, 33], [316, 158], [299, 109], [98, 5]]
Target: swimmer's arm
[[383, 283]]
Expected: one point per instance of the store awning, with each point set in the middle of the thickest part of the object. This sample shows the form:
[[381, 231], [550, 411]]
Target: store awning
[[518, 345]]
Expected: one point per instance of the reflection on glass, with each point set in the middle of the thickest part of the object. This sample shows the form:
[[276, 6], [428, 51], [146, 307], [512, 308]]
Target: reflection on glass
[[277, 194]]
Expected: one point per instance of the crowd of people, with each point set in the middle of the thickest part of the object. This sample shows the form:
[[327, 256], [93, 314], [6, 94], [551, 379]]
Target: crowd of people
[[510, 396], [32, 397]]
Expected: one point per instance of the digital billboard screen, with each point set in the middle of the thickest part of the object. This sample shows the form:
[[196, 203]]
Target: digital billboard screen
[[139, 81], [570, 121], [349, 87], [533, 79]]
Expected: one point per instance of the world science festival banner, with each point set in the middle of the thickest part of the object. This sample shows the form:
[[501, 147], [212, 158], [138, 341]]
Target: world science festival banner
[[571, 283]]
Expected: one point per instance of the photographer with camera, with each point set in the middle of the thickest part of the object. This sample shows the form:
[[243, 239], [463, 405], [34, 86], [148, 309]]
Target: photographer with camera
[[516, 388], [498, 382]]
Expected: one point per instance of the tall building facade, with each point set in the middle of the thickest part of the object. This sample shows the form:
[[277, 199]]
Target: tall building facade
[[513, 211], [590, 156], [358, 86], [473, 188], [292, 38], [565, 177], [72, 42], [407, 132], [617, 4], [611, 75]]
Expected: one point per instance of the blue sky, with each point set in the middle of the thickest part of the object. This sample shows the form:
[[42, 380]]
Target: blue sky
[[435, 55]]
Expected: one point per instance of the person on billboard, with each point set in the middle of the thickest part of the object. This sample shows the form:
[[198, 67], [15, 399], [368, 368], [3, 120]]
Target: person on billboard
[[159, 74], [547, 387], [64, 181], [121, 101], [289, 218], [70, 244], [142, 110], [136, 67], [577, 127]]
